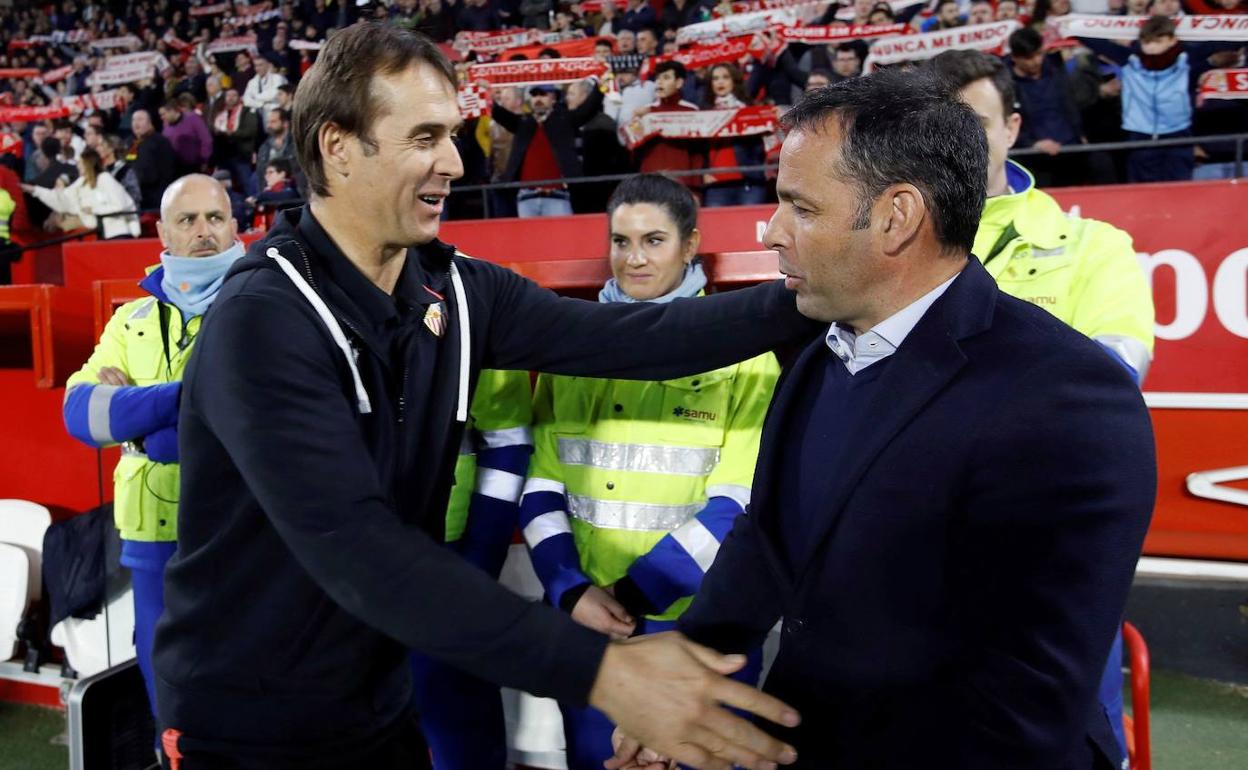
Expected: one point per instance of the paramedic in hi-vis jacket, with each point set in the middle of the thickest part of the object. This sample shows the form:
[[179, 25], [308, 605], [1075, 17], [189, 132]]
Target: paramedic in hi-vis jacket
[[634, 483], [128, 390], [1081, 270]]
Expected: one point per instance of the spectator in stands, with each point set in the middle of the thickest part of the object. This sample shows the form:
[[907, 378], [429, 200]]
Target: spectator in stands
[[535, 14], [189, 136], [818, 78], [278, 144], [1169, 8], [1159, 75], [638, 579], [647, 42], [1007, 10], [154, 160], [638, 15], [112, 152], [608, 20], [1050, 118], [36, 161], [235, 129], [1043, 9], [54, 169], [980, 13], [89, 200], [681, 13], [731, 188], [128, 390], [847, 61], [243, 71], [598, 145], [664, 154], [1111, 303], [71, 144], [862, 12], [437, 20], [261, 93], [195, 81], [626, 42], [545, 148], [948, 15], [279, 187], [479, 16]]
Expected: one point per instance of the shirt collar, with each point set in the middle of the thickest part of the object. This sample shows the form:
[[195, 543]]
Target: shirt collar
[[858, 351], [377, 306]]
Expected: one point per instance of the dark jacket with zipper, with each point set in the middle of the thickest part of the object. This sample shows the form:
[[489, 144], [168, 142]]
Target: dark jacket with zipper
[[561, 127], [307, 560]]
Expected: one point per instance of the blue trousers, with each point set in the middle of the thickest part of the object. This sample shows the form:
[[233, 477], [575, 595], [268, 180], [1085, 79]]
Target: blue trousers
[[587, 731], [146, 562]]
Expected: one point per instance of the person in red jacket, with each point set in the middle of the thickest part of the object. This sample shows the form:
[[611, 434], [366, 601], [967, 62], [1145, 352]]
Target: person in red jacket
[[671, 154]]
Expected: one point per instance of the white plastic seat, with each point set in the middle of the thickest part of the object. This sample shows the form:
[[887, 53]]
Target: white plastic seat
[[91, 646], [23, 523], [14, 593]]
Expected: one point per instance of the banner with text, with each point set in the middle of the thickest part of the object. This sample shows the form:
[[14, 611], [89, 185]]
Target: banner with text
[[701, 124], [978, 37]]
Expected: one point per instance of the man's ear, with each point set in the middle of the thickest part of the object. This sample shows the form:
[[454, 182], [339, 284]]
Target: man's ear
[[903, 213], [335, 150]]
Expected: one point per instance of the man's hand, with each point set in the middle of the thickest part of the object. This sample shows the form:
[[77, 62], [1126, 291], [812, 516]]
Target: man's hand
[[111, 375], [600, 611], [1048, 146], [631, 755], [671, 694]]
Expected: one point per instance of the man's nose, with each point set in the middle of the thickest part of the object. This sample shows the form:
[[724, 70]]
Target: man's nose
[[774, 237]]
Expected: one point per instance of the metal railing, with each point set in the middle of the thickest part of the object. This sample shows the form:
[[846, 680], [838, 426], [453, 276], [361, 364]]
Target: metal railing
[[1239, 141]]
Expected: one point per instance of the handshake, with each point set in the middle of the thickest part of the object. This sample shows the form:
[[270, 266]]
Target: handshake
[[670, 698]]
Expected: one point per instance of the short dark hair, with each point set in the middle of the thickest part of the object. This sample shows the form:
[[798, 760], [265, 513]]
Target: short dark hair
[[50, 147], [1157, 26], [280, 164], [902, 127], [943, 3], [668, 194], [671, 66], [821, 72], [282, 113], [62, 124], [1025, 41], [338, 87], [958, 69]]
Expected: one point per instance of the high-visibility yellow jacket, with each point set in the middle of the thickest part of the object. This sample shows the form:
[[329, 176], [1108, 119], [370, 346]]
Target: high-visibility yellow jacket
[[641, 479], [490, 471], [148, 341], [7, 207], [1083, 271]]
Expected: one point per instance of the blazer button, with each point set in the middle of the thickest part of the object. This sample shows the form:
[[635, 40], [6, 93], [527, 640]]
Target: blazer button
[[610, 485], [619, 407], [794, 625]]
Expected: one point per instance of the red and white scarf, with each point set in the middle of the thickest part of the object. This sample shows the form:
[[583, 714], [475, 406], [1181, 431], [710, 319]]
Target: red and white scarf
[[1223, 84], [531, 73], [978, 37], [1190, 28], [701, 124]]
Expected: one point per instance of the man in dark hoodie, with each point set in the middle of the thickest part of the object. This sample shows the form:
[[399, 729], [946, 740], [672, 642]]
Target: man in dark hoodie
[[320, 420]]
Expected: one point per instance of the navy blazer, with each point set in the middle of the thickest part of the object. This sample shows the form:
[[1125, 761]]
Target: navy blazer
[[956, 603]]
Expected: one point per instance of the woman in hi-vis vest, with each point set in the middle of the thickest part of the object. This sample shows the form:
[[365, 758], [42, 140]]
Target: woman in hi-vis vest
[[633, 485]]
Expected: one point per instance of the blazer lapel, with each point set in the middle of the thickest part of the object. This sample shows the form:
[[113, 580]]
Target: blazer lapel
[[926, 362]]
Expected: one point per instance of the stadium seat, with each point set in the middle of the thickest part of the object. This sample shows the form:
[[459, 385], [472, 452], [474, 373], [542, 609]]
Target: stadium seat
[[14, 593], [22, 523], [91, 646]]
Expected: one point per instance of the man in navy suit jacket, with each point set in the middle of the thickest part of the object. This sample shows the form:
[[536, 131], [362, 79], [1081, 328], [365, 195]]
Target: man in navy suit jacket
[[953, 487]]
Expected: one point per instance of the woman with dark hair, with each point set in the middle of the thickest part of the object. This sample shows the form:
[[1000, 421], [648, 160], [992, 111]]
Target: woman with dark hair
[[726, 91], [90, 198], [634, 484]]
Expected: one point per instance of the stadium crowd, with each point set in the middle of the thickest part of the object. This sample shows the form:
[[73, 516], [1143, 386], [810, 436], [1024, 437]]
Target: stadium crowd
[[107, 102]]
